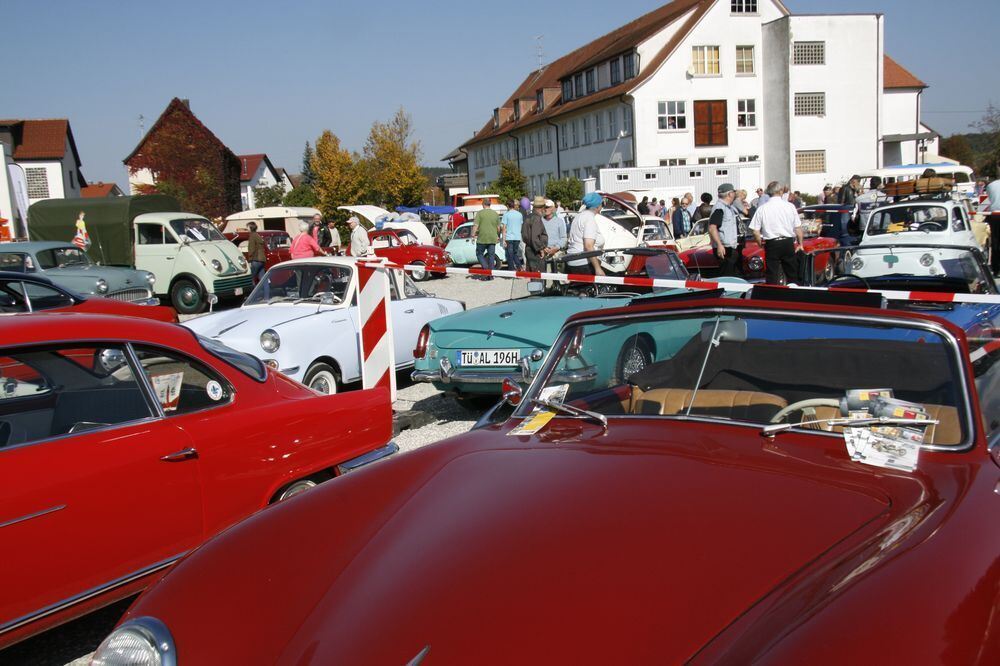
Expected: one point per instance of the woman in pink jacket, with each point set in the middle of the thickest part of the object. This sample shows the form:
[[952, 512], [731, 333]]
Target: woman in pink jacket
[[304, 245]]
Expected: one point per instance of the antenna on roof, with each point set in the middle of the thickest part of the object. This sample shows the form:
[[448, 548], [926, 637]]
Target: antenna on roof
[[142, 126], [539, 49]]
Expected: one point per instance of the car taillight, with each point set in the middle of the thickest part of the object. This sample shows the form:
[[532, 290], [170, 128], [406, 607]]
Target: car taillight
[[421, 349]]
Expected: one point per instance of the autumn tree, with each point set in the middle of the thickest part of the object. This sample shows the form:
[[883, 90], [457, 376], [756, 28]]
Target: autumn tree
[[511, 185], [391, 163], [338, 178]]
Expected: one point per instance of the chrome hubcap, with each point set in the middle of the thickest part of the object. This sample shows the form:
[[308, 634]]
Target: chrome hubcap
[[635, 361], [297, 488], [324, 383]]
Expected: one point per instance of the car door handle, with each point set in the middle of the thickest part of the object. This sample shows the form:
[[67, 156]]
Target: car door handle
[[178, 456], [410, 311]]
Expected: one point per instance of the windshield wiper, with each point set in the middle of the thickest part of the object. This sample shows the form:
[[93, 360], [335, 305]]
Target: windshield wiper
[[772, 430], [573, 411]]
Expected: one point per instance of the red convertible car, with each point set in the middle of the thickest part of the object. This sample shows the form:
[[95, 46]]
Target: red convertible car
[[20, 293], [125, 443], [779, 486], [402, 247], [277, 245]]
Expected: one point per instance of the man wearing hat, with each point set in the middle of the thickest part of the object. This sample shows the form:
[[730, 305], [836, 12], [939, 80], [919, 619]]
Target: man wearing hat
[[724, 232], [360, 246], [535, 241]]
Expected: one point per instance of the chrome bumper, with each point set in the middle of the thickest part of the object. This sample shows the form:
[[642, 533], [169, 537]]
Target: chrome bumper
[[368, 458], [448, 374]]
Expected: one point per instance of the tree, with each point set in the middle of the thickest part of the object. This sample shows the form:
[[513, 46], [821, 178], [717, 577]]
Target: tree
[[989, 125], [391, 163], [511, 185], [265, 196], [957, 148], [308, 175], [338, 178], [303, 196], [565, 190]]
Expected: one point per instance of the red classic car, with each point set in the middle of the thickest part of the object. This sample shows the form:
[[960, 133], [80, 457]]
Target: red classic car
[[20, 293], [742, 499], [125, 443], [699, 256], [402, 247], [277, 245]]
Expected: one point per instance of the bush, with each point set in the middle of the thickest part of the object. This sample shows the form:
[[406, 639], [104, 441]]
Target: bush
[[565, 190], [302, 196]]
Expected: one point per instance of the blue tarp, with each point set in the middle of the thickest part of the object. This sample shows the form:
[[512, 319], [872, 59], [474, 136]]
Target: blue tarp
[[427, 210]]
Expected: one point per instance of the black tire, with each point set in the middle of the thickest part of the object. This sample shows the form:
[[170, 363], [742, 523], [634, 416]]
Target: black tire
[[635, 355], [413, 274], [187, 297], [300, 486], [325, 377]]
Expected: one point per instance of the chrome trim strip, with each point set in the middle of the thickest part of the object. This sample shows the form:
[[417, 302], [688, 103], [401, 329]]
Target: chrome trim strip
[[88, 594], [37, 514], [368, 458]]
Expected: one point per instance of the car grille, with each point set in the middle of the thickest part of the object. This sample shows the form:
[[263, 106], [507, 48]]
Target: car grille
[[131, 295], [227, 285]]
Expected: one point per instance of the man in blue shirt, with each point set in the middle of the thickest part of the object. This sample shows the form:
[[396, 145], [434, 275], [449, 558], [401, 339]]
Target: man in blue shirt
[[512, 221]]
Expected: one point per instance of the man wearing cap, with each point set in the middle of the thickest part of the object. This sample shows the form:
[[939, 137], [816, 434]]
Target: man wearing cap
[[723, 230], [584, 236], [535, 240], [512, 221], [486, 229], [360, 246], [778, 228]]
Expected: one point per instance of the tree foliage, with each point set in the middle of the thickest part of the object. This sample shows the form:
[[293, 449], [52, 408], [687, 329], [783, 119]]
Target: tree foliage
[[957, 148], [308, 175], [512, 184], [265, 196], [989, 125], [565, 190], [391, 163], [339, 179], [188, 162], [302, 196]]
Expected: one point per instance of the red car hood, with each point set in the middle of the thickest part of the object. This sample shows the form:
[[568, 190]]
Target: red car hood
[[587, 548], [97, 305]]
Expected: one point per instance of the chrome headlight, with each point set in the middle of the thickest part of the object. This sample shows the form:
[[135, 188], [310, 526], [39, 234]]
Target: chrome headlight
[[270, 341], [216, 265], [857, 263], [243, 263], [102, 286], [755, 264], [144, 641], [151, 278], [927, 260], [537, 355]]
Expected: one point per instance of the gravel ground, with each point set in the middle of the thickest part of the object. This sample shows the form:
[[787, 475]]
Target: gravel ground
[[72, 643]]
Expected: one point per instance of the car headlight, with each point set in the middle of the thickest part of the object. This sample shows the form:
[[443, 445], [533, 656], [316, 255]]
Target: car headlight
[[144, 641], [927, 260], [857, 263], [102, 286], [216, 265], [755, 264], [270, 341], [243, 263], [151, 278]]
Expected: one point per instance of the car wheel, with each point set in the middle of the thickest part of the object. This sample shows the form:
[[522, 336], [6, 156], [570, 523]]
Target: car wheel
[[635, 356], [828, 270], [322, 378], [302, 485], [418, 275], [186, 297]]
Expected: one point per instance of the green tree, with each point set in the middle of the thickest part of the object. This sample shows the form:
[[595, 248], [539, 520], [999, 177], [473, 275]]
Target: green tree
[[303, 196], [339, 180], [511, 185], [265, 196], [308, 175], [957, 148], [391, 163], [565, 190]]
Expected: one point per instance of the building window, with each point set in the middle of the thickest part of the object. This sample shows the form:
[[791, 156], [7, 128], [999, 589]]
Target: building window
[[613, 124], [674, 161], [539, 101], [810, 104], [576, 173], [746, 113], [564, 138], [531, 145], [517, 109], [711, 123], [621, 176], [743, 6], [749, 158], [578, 85], [38, 182], [616, 72], [671, 116], [694, 175], [809, 53], [567, 90], [586, 130], [598, 128], [627, 120], [548, 140], [591, 81], [496, 123], [810, 161], [744, 60], [649, 176], [710, 160], [721, 173], [629, 60], [705, 60], [574, 134]]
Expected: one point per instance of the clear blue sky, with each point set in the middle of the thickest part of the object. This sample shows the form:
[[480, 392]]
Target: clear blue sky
[[267, 77]]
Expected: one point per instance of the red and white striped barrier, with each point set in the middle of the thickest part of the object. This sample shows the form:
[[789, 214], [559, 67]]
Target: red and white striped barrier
[[924, 296], [378, 364]]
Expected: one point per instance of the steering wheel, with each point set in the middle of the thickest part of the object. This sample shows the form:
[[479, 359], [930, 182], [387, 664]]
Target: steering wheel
[[803, 405], [931, 226], [849, 277], [337, 300]]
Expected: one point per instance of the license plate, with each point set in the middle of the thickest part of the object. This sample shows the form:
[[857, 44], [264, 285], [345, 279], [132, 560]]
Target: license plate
[[238, 291], [489, 357]]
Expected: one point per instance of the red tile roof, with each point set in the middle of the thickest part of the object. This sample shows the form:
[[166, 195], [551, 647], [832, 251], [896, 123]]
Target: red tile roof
[[896, 76], [41, 139], [95, 190], [250, 163]]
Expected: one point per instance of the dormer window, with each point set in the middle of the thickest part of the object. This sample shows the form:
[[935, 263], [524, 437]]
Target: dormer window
[[629, 62], [496, 118], [517, 109], [567, 90], [591, 81], [578, 85], [539, 101], [616, 72]]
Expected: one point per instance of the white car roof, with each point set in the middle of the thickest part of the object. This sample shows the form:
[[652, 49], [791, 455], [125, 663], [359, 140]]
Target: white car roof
[[273, 211]]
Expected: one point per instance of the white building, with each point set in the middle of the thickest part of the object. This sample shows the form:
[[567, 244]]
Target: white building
[[256, 171], [40, 161], [807, 99]]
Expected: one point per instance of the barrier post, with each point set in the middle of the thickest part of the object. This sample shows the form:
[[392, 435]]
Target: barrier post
[[378, 364]]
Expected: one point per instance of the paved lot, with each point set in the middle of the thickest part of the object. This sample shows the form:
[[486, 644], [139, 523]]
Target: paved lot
[[73, 642]]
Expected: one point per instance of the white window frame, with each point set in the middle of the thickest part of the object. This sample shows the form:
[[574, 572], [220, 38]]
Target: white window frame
[[585, 121], [563, 137], [671, 109], [674, 162], [574, 134], [590, 84], [615, 71], [749, 158], [746, 111], [598, 128], [695, 175], [742, 61], [743, 7], [701, 59], [627, 120], [612, 124], [702, 161], [621, 177]]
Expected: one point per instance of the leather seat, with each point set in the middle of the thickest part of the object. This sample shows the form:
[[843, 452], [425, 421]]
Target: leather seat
[[753, 406]]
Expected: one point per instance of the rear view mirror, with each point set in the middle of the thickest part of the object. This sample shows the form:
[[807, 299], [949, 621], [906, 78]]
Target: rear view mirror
[[731, 331]]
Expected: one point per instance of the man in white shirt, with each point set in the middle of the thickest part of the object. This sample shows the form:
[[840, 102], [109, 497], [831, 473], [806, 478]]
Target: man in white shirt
[[359, 238], [993, 219], [778, 229]]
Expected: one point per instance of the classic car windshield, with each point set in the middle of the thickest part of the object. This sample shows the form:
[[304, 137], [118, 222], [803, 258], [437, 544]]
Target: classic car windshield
[[908, 218], [319, 283], [752, 368], [905, 268], [62, 257], [196, 229]]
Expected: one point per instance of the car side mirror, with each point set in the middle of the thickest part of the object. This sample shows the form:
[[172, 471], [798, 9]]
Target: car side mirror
[[511, 391]]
